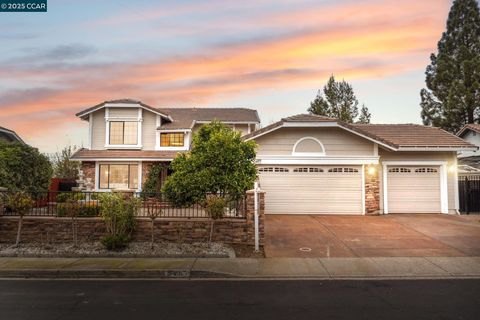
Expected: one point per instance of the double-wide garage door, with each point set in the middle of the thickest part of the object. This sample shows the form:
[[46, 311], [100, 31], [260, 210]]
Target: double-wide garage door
[[312, 189], [413, 189]]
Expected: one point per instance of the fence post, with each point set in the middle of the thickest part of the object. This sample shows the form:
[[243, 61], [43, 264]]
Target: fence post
[[256, 206], [467, 195]]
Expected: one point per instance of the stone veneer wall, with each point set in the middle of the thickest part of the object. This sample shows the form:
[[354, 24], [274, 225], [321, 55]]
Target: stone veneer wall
[[88, 168], [372, 192], [55, 230]]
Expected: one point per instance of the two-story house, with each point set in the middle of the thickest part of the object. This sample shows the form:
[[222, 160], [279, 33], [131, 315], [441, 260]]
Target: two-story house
[[9, 135], [469, 161], [126, 137]]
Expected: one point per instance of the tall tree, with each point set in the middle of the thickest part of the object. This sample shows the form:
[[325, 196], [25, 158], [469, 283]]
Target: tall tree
[[63, 167], [452, 97], [337, 101], [365, 115]]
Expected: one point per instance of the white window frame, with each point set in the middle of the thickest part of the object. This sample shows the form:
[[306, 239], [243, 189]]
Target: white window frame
[[97, 174], [109, 119], [186, 140], [443, 180], [308, 154]]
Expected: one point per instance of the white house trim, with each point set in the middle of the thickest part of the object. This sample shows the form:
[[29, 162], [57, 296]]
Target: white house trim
[[308, 154], [443, 180], [329, 124], [138, 119], [122, 161], [457, 199], [90, 130], [186, 141], [123, 105], [363, 189], [385, 188], [316, 161]]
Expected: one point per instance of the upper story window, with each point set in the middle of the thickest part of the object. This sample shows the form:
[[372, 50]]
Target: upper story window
[[172, 139], [123, 132]]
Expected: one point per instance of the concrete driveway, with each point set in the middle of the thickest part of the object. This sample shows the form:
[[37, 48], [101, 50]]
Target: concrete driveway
[[399, 235]]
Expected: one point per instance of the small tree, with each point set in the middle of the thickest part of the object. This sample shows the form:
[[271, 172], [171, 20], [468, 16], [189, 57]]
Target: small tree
[[154, 210], [73, 207], [215, 208], [118, 212], [63, 167], [220, 163], [20, 203], [23, 168]]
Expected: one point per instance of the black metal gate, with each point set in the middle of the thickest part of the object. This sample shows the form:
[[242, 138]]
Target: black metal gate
[[469, 193]]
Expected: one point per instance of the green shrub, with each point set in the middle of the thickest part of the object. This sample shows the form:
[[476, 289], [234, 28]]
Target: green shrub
[[118, 212], [65, 196], [215, 207], [117, 242], [84, 210]]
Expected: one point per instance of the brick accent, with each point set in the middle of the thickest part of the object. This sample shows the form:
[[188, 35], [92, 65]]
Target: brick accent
[[54, 230], [146, 166], [372, 191], [88, 168]]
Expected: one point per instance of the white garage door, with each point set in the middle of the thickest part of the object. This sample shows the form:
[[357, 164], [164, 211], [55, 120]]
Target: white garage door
[[312, 189], [413, 189]]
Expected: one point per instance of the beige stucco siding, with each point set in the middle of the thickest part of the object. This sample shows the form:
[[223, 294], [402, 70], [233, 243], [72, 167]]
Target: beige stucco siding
[[123, 112], [450, 157], [98, 130], [336, 141], [149, 130]]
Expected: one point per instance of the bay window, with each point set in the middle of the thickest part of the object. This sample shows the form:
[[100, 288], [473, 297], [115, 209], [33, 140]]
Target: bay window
[[123, 132], [118, 176]]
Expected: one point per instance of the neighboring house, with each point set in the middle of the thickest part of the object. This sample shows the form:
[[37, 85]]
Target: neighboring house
[[9, 135], [318, 165], [126, 137], [469, 161]]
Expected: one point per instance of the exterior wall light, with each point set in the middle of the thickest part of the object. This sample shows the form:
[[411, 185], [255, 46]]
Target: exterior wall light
[[371, 170], [452, 169]]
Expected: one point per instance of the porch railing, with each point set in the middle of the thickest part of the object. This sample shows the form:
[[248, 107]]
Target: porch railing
[[57, 204]]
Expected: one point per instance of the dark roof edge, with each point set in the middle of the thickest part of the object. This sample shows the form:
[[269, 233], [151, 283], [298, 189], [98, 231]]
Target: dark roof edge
[[13, 133]]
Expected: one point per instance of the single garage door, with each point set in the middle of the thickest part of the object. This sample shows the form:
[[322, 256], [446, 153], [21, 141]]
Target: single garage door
[[312, 189], [413, 189]]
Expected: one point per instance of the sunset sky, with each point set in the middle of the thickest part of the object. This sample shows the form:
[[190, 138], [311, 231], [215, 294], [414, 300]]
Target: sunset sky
[[270, 55]]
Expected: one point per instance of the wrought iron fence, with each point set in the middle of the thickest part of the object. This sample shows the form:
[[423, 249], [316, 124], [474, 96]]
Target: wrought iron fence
[[87, 204], [469, 193]]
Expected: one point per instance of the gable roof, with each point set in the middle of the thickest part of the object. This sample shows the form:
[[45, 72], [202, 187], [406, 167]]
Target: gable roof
[[185, 118], [12, 134], [82, 114], [471, 126], [397, 137]]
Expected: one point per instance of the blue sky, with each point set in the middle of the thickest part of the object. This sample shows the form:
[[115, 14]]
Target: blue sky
[[269, 55]]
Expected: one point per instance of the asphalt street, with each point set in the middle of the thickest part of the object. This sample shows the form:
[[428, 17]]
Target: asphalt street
[[239, 299]]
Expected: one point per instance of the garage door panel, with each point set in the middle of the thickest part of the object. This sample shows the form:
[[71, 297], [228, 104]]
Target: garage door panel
[[319, 192], [413, 189]]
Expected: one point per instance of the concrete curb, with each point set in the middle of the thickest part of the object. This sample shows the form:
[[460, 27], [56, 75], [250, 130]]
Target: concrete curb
[[244, 268]]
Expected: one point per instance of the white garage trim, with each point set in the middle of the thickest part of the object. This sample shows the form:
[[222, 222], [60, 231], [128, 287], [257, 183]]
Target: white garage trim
[[285, 160], [363, 189], [443, 180]]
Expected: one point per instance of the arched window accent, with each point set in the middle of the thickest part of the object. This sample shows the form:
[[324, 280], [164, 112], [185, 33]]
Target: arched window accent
[[308, 147], [309, 170], [426, 170], [272, 169], [344, 170], [399, 170]]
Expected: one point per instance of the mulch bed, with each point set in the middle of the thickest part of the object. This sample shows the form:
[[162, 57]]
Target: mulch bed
[[134, 249]]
